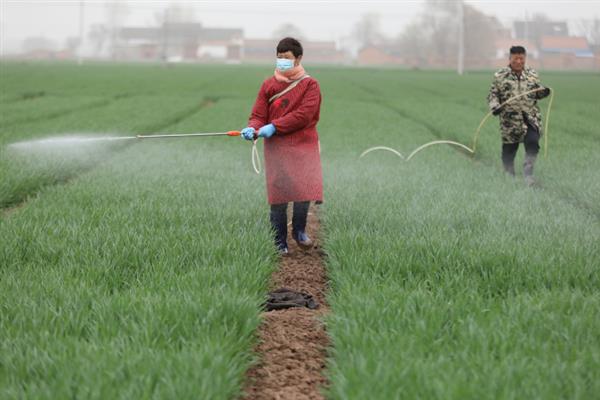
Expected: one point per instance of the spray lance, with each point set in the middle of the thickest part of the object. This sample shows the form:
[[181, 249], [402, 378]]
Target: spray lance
[[173, 135], [74, 141]]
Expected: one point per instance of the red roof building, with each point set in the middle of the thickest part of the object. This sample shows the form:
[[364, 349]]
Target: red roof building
[[315, 52], [577, 45], [567, 52]]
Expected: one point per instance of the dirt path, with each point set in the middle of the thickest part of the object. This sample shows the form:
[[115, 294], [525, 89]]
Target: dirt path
[[293, 342]]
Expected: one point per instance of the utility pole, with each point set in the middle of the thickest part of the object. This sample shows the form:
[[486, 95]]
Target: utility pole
[[81, 33], [165, 36], [526, 27], [113, 16], [461, 38]]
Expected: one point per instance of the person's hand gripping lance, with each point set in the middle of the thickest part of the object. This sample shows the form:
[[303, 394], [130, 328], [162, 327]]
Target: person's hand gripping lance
[[265, 132]]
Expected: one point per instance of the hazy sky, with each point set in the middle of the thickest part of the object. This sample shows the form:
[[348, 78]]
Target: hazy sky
[[325, 20]]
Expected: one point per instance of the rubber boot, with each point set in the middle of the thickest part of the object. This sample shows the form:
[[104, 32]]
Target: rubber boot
[[509, 168], [278, 217], [509, 151], [299, 224], [528, 169]]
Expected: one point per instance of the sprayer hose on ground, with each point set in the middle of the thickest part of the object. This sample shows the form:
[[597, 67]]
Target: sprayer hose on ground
[[477, 132]]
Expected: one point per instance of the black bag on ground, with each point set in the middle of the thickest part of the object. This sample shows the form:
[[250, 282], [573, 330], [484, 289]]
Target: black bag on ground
[[286, 298]]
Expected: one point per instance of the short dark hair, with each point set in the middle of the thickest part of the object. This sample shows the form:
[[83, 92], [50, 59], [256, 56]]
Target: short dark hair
[[518, 50], [290, 44]]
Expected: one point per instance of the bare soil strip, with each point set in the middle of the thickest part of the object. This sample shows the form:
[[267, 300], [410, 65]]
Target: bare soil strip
[[293, 342]]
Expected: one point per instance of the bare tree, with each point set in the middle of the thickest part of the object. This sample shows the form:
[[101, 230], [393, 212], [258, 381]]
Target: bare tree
[[116, 14], [434, 35], [38, 43], [98, 36], [176, 13], [480, 34], [536, 28], [590, 28], [72, 44], [367, 31], [414, 45], [288, 30], [440, 25]]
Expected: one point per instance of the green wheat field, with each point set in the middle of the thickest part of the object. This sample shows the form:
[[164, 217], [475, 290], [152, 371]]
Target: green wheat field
[[136, 269]]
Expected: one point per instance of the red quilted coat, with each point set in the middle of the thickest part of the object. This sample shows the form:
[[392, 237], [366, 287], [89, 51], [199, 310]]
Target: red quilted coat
[[292, 160]]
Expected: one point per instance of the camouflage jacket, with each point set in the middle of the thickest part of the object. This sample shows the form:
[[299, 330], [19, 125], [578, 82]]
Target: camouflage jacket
[[515, 115]]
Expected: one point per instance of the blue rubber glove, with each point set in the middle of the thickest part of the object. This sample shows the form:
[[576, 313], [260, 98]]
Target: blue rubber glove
[[267, 131], [247, 133]]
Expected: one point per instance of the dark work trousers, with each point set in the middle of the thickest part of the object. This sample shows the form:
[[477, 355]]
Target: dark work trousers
[[279, 220], [532, 147]]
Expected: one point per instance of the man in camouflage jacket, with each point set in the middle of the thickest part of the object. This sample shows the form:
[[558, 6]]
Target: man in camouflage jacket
[[520, 119]]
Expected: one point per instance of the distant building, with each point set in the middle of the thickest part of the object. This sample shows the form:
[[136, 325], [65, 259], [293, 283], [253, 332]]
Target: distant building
[[385, 54], [323, 52], [193, 42], [572, 45], [259, 50], [315, 52], [567, 52], [180, 42], [48, 55], [535, 28]]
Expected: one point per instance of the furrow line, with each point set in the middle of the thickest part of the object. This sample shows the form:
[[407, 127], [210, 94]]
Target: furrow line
[[293, 342]]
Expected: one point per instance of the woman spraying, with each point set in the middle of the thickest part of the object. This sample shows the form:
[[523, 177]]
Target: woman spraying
[[285, 114]]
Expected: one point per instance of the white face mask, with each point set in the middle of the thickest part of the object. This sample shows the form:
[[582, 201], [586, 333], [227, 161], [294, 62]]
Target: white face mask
[[283, 64]]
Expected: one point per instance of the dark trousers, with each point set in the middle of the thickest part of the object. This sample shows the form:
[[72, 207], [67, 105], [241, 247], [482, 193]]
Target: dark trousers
[[279, 222], [532, 147]]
